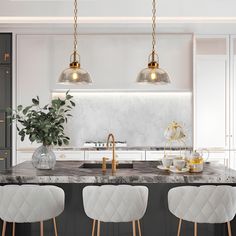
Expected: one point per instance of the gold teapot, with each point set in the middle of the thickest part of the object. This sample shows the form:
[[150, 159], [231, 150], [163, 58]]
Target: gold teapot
[[196, 161]]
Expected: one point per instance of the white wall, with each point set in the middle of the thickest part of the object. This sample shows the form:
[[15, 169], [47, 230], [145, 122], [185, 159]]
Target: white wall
[[114, 61]]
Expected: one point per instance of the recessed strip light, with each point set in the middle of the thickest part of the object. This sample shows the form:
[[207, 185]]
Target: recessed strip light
[[113, 20]]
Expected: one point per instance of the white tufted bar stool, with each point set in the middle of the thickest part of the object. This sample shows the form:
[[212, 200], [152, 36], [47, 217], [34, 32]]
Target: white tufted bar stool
[[204, 204], [115, 203], [30, 203]]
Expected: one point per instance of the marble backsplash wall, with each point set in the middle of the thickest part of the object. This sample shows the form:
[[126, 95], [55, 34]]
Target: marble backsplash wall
[[138, 118]]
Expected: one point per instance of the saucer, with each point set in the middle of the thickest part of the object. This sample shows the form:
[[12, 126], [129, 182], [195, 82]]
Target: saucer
[[174, 170], [161, 167]]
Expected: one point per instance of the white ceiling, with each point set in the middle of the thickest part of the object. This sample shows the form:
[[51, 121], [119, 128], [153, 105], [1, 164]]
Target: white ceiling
[[177, 8]]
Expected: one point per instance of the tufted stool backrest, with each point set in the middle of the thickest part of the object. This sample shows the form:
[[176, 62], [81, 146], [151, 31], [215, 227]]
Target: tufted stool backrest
[[30, 203], [204, 204], [115, 203]]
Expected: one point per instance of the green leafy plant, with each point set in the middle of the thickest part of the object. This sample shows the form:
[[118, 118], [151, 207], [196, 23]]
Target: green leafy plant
[[44, 124]]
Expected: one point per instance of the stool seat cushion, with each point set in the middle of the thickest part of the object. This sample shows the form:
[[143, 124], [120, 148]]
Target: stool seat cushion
[[30, 203], [115, 203], [204, 204]]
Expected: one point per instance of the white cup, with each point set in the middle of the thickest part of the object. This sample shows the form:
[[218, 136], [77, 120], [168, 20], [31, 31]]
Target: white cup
[[167, 162], [179, 164]]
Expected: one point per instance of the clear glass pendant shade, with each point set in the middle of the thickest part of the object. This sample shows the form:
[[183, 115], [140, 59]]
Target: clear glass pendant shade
[[153, 76], [74, 76]]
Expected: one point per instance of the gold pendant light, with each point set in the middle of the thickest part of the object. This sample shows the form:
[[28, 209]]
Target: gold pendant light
[[153, 74], [75, 74]]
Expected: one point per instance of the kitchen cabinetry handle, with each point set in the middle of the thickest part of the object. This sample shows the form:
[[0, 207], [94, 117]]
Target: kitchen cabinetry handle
[[6, 56], [2, 158], [2, 121]]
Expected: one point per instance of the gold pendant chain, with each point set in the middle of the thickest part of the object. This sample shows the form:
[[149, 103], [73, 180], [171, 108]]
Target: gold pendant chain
[[75, 28], [153, 29]]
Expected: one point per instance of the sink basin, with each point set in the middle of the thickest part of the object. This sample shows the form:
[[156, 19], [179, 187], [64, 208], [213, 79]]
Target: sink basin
[[99, 166]]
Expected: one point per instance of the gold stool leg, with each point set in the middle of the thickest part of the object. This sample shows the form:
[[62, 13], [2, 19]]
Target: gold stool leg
[[134, 228], [41, 228], [93, 229], [179, 227], [13, 228], [195, 229], [98, 229], [4, 228], [139, 229], [229, 229], [55, 226]]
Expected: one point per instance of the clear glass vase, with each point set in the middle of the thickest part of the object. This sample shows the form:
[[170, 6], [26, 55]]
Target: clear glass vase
[[44, 158]]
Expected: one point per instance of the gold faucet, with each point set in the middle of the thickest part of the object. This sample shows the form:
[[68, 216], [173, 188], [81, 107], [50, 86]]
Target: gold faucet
[[113, 162]]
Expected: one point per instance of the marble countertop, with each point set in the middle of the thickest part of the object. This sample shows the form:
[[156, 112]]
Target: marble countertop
[[142, 172], [128, 148]]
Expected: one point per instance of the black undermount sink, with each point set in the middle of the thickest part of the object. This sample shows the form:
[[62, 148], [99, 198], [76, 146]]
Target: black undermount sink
[[99, 166]]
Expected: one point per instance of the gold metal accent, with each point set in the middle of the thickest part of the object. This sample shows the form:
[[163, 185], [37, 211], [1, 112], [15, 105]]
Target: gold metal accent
[[4, 228], [179, 227], [153, 65], [6, 56], [75, 64], [134, 228], [75, 37], [55, 226], [41, 228], [113, 162], [153, 57], [104, 164], [93, 229], [229, 229], [13, 228], [2, 158], [98, 228], [195, 229], [139, 229]]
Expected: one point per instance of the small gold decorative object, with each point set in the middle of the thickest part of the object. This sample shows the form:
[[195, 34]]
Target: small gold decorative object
[[104, 164], [174, 134]]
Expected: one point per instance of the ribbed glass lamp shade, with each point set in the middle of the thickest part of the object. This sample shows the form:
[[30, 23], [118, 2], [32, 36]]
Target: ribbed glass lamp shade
[[153, 76], [74, 76]]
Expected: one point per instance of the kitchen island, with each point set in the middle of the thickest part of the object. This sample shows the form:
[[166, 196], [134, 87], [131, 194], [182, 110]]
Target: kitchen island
[[136, 172], [73, 176]]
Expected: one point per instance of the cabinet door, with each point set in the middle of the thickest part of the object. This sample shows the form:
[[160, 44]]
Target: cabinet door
[[2, 130], [5, 48], [5, 159], [5, 87], [129, 51], [210, 102]]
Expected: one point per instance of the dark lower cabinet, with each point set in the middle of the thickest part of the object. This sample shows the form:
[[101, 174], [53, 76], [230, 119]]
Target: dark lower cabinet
[[5, 99], [5, 159], [5, 86], [5, 48]]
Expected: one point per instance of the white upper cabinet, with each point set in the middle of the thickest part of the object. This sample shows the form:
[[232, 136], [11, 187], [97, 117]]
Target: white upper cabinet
[[233, 94], [211, 83], [113, 60]]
